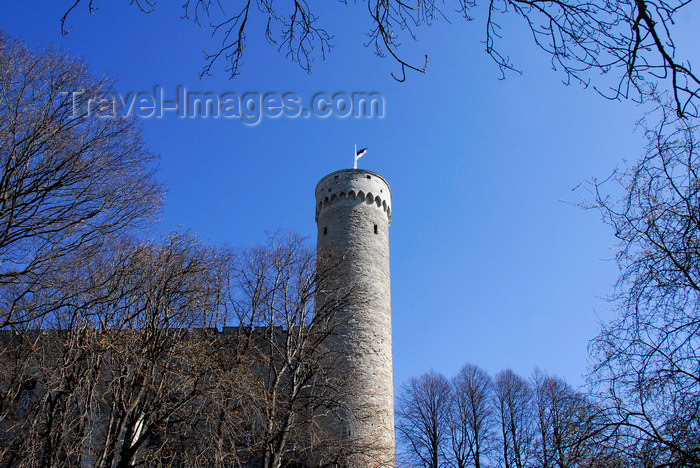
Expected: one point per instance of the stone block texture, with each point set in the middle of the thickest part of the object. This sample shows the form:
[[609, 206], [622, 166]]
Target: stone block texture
[[353, 213]]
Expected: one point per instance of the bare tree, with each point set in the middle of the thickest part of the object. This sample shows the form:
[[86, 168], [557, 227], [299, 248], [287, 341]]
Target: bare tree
[[632, 40], [118, 352], [290, 339], [164, 349], [647, 359], [66, 179], [510, 423], [472, 423], [513, 399], [176, 354], [121, 373], [423, 417], [571, 428]]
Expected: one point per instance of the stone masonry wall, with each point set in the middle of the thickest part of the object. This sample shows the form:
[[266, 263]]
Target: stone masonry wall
[[353, 213]]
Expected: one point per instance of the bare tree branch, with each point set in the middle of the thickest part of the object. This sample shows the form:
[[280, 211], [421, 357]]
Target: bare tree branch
[[624, 48]]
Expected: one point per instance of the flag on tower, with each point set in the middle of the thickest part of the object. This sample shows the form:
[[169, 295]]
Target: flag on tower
[[359, 154]]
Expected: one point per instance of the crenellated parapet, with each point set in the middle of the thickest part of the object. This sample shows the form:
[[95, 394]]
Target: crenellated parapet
[[353, 186]]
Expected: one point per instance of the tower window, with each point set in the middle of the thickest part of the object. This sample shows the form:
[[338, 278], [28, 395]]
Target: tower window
[[376, 231], [325, 229], [369, 176]]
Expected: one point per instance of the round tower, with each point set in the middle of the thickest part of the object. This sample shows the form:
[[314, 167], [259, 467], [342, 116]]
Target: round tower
[[353, 213]]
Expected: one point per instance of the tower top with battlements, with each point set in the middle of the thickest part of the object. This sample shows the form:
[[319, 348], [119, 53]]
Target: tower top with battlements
[[353, 185]]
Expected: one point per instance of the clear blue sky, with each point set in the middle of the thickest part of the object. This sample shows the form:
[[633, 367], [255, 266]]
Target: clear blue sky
[[490, 265]]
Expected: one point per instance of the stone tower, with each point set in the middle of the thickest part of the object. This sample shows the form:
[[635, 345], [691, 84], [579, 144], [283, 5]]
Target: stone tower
[[353, 213]]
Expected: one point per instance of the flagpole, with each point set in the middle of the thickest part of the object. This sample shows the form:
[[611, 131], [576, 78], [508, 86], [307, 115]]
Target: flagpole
[[355, 155]]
